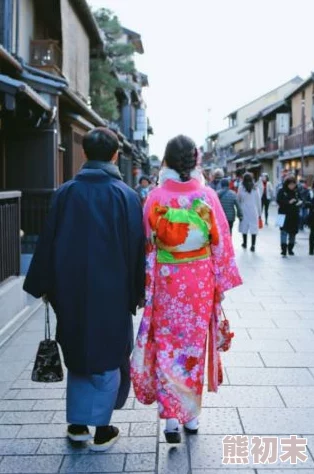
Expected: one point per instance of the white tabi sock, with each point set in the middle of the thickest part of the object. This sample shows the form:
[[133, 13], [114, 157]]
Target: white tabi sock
[[192, 424], [172, 424]]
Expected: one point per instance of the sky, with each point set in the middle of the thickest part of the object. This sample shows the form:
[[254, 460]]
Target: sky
[[206, 58]]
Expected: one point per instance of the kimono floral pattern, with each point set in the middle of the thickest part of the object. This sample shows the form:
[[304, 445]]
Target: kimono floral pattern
[[181, 312]]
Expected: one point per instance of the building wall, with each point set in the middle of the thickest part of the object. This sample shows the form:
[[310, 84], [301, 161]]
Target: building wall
[[229, 135], [26, 28], [238, 146], [297, 107], [75, 46]]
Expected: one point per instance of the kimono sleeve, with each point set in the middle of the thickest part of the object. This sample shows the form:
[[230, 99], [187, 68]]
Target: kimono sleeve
[[38, 280], [226, 271]]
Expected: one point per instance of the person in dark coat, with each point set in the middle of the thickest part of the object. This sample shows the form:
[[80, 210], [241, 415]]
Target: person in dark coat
[[289, 202], [230, 203], [90, 265], [310, 218]]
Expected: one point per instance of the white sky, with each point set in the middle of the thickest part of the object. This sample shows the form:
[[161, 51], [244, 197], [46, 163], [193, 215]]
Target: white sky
[[214, 54]]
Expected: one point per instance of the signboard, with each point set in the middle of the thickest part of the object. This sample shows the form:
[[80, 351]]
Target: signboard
[[283, 124]]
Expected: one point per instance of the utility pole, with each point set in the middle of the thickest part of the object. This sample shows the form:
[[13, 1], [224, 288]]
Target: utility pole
[[302, 134]]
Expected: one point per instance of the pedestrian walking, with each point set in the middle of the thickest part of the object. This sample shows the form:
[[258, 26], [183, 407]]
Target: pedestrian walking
[[310, 218], [190, 264], [266, 191], [89, 264], [217, 177], [304, 195], [289, 202], [250, 202], [230, 203], [143, 188]]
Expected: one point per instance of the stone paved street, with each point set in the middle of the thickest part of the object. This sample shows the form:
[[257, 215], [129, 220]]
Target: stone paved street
[[268, 387]]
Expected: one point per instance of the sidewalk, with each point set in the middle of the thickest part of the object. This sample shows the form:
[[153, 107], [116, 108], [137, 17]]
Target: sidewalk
[[268, 387]]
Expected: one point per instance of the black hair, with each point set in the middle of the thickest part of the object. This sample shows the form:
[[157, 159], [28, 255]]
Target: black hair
[[100, 144], [142, 178], [181, 156], [290, 179], [248, 182]]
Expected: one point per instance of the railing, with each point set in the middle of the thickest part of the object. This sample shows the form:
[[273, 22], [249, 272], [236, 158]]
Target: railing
[[295, 141], [46, 54], [271, 146], [244, 153], [10, 242], [34, 210]]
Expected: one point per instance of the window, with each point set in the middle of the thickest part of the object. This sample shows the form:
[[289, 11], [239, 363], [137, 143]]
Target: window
[[233, 120]]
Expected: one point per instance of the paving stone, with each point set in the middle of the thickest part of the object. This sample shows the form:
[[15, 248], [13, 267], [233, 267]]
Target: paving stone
[[134, 416], [140, 462], [42, 431], [9, 372], [16, 405], [173, 460], [297, 396], [30, 464], [207, 451], [29, 384], [237, 396], [252, 323], [62, 446], [18, 353], [223, 471], [23, 446], [292, 470], [278, 359], [10, 395], [10, 431], [273, 421], [281, 333], [40, 394], [4, 387], [269, 376], [306, 314], [310, 444], [93, 463], [139, 406], [302, 345], [241, 359], [261, 345], [295, 323], [143, 429], [257, 315], [23, 417], [219, 420], [53, 405]]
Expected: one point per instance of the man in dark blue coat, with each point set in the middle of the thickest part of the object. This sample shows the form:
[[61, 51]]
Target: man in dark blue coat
[[89, 264]]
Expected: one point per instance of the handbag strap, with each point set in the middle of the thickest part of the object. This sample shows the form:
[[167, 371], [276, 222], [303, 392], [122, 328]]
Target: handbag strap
[[223, 313], [47, 323]]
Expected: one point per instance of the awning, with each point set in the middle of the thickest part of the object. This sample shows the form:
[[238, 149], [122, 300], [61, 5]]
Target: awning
[[4, 54], [14, 87], [243, 159], [84, 110], [296, 154], [253, 166]]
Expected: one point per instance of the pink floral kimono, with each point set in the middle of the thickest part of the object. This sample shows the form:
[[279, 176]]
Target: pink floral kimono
[[190, 263]]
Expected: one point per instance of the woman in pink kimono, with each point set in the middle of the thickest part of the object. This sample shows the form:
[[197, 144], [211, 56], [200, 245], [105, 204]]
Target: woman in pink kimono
[[190, 263]]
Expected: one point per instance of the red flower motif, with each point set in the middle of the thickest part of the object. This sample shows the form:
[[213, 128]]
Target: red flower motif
[[191, 363]]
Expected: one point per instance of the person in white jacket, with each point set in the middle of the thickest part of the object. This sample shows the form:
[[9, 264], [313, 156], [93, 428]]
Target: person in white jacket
[[266, 191], [250, 202]]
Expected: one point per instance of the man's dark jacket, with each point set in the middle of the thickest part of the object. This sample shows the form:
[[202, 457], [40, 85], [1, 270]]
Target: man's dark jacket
[[90, 262]]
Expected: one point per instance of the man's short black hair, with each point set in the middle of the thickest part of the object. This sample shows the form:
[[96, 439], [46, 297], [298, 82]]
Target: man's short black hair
[[100, 144]]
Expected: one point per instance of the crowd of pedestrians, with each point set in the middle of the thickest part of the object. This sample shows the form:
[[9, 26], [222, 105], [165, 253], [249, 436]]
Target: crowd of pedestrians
[[249, 201]]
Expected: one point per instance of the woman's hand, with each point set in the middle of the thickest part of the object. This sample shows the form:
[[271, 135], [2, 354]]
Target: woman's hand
[[141, 303]]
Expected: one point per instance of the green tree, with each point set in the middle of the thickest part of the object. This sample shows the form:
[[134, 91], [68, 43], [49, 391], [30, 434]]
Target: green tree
[[108, 76]]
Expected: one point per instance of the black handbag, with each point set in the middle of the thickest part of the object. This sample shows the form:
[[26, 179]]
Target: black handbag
[[48, 366]]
